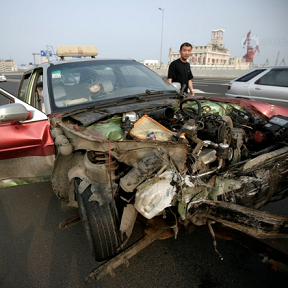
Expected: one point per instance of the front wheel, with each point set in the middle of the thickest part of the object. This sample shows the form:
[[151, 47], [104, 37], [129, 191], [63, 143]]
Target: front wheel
[[100, 224]]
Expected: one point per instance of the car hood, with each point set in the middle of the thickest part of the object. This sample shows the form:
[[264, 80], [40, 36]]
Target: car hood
[[266, 109], [99, 124]]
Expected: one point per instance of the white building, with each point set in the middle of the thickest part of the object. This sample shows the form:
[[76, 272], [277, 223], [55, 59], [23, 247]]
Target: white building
[[2, 65], [7, 65], [239, 63], [150, 62], [214, 53]]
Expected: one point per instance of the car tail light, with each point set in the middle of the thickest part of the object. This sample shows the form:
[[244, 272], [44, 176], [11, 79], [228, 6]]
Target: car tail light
[[229, 87]]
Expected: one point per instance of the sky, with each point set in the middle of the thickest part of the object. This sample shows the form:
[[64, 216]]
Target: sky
[[133, 28]]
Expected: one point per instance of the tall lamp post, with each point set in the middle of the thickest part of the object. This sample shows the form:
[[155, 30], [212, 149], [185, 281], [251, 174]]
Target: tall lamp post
[[161, 36]]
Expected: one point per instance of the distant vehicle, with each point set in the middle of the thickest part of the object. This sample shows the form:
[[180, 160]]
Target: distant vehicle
[[2, 78], [267, 84]]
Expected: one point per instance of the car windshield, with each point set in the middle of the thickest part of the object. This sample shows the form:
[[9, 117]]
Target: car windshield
[[84, 82]]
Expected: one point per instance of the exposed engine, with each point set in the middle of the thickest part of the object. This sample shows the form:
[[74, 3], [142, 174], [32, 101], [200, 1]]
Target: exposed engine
[[219, 134], [153, 159]]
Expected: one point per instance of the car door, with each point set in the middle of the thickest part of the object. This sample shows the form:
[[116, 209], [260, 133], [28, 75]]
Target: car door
[[27, 150], [272, 87], [27, 90], [240, 87]]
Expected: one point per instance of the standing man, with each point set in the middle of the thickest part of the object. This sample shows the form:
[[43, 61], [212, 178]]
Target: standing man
[[179, 70]]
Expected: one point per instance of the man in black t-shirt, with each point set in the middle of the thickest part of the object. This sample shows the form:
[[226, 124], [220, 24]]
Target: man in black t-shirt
[[180, 71]]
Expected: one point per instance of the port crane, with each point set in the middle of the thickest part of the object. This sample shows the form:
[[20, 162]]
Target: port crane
[[250, 50]]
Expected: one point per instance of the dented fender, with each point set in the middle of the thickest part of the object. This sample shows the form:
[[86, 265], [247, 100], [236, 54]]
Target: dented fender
[[96, 175]]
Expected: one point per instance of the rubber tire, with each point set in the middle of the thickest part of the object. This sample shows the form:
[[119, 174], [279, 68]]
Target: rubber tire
[[99, 223]]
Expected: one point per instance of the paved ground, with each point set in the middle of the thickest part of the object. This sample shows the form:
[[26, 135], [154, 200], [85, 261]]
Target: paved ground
[[34, 253]]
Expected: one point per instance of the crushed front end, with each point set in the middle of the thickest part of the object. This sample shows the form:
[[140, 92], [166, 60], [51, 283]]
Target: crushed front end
[[205, 161]]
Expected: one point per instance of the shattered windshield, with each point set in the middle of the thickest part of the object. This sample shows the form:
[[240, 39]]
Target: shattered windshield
[[81, 82]]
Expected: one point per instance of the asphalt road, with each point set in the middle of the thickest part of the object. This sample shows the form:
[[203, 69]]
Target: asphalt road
[[35, 253]]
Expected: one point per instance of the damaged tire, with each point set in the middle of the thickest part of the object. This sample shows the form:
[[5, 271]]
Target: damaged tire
[[100, 225]]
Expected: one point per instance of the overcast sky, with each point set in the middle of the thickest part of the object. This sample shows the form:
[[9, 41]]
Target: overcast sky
[[132, 28]]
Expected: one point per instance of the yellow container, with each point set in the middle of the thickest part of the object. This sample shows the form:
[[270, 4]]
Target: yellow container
[[146, 126]]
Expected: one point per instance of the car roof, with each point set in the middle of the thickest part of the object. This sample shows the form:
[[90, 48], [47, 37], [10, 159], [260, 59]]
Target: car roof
[[271, 67], [260, 68], [60, 62]]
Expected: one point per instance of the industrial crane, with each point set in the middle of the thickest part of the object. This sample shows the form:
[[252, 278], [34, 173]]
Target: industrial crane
[[250, 50]]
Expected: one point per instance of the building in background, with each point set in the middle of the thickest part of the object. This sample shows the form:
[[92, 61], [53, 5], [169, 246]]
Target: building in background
[[150, 62], [239, 63], [7, 65], [214, 54], [2, 65]]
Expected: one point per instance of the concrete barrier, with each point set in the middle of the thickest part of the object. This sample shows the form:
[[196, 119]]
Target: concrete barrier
[[211, 73], [15, 73]]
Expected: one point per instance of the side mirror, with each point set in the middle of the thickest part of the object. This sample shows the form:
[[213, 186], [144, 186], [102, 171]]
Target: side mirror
[[14, 112], [177, 85]]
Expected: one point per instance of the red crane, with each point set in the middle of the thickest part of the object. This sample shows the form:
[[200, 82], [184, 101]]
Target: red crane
[[250, 50]]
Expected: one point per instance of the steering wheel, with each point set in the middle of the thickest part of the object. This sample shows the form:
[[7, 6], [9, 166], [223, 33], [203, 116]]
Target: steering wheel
[[188, 110]]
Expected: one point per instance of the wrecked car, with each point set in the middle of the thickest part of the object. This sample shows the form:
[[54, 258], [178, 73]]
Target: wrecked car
[[118, 141]]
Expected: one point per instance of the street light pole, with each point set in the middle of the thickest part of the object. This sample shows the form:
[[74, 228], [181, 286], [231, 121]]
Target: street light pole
[[161, 36]]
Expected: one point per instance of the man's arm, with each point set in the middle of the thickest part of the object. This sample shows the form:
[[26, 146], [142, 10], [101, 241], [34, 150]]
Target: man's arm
[[171, 72], [190, 86]]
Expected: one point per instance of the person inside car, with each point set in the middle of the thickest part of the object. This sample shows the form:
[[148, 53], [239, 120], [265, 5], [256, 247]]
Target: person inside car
[[40, 97]]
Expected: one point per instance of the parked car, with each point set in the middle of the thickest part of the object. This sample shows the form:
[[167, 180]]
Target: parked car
[[118, 141], [2, 78], [265, 84]]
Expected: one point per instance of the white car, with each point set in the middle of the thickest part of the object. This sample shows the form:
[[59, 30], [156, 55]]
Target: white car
[[2, 78], [266, 84]]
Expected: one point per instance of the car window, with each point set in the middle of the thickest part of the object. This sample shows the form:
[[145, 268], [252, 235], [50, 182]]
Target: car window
[[250, 75], [37, 91], [31, 89], [24, 86], [277, 77], [32, 96]]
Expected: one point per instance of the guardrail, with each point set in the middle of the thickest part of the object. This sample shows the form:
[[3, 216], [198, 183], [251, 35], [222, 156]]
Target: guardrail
[[18, 73], [208, 73]]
